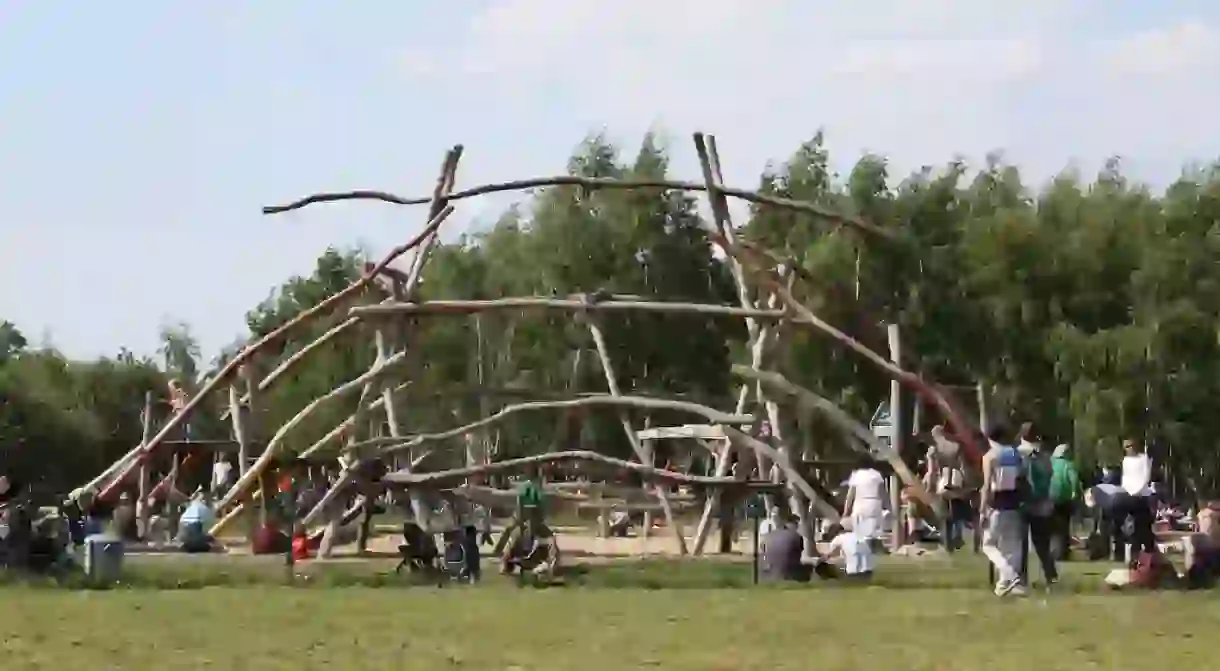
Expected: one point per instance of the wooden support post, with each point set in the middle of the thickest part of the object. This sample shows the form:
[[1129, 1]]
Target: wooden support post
[[647, 521], [709, 160], [249, 423], [142, 508], [241, 417], [897, 437]]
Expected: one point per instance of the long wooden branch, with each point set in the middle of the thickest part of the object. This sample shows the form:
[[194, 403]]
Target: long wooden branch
[[712, 415], [847, 424], [461, 307], [353, 467], [590, 183], [651, 473], [125, 465], [964, 428]]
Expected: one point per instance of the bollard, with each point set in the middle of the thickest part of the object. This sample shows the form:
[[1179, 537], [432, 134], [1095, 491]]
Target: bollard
[[103, 558]]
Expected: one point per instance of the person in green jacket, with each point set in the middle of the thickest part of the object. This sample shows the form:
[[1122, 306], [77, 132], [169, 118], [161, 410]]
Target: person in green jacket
[[1039, 508], [1065, 494]]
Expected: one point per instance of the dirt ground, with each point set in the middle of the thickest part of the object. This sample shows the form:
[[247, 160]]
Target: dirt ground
[[581, 543], [576, 543]]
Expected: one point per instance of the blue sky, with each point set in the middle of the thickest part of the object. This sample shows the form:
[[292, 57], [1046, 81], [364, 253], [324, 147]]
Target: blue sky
[[139, 139]]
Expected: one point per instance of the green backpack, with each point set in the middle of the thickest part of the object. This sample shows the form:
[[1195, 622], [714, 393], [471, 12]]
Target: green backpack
[[529, 496]]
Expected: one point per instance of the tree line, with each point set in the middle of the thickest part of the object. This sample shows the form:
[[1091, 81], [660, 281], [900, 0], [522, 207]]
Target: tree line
[[1088, 306]]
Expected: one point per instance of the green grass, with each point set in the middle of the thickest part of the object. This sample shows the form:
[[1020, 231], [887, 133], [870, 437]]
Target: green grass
[[920, 614]]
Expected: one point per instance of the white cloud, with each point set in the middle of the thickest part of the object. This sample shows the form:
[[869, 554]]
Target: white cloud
[[1184, 48], [917, 81]]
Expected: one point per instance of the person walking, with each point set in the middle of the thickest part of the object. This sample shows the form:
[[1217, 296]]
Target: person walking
[[1004, 530], [866, 500], [1065, 494], [946, 476], [1039, 508]]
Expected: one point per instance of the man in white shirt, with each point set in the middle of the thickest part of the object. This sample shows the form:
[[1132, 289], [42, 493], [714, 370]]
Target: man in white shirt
[[1135, 499], [222, 472]]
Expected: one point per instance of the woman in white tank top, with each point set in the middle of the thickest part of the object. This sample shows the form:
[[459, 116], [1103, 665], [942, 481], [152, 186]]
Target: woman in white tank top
[[866, 500]]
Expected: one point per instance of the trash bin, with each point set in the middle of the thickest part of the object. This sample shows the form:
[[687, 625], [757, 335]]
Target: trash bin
[[103, 557]]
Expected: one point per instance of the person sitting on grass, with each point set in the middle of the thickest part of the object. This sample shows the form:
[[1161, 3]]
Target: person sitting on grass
[[620, 524], [854, 551], [193, 525], [531, 548], [1203, 550], [782, 554]]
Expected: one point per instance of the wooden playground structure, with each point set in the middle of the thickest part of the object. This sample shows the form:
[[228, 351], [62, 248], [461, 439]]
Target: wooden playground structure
[[750, 433]]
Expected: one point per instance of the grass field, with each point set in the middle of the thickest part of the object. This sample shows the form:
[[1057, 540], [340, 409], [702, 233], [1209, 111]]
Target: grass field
[[655, 614]]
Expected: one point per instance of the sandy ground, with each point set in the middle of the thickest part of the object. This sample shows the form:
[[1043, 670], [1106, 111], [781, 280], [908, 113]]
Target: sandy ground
[[581, 544]]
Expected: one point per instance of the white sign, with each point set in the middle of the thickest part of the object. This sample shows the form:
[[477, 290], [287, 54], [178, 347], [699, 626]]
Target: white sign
[[881, 424]]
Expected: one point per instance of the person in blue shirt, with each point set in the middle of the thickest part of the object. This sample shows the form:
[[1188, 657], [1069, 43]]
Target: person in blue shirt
[[194, 523]]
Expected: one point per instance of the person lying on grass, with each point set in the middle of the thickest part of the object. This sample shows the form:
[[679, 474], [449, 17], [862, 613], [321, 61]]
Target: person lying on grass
[[851, 553]]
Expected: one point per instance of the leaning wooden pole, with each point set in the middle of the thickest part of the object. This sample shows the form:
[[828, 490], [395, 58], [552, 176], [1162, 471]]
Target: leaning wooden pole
[[713, 182], [603, 354], [142, 507], [439, 203], [126, 464]]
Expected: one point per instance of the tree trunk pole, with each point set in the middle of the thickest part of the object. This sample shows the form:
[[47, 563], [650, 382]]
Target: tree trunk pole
[[142, 509], [897, 437]]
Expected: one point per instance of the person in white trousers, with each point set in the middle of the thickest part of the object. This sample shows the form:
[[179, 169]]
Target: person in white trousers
[[1004, 528], [866, 500]]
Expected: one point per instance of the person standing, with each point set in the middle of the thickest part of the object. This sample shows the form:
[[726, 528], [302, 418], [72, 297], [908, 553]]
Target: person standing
[[222, 476], [1134, 502], [1003, 473], [1039, 508], [1065, 493], [866, 500]]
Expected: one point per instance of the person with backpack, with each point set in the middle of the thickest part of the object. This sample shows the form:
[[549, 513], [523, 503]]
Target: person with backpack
[[1004, 527], [1065, 493], [1039, 507]]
